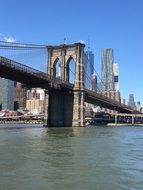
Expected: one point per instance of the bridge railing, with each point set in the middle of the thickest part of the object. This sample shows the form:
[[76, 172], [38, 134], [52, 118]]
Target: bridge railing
[[13, 64], [34, 72], [109, 100]]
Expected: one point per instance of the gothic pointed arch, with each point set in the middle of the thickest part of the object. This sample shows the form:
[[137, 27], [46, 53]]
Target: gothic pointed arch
[[57, 68], [70, 70]]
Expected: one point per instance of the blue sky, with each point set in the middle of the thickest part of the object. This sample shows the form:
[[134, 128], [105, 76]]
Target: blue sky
[[108, 23]]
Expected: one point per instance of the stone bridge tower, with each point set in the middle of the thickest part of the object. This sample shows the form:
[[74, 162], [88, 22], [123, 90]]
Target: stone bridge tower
[[66, 108]]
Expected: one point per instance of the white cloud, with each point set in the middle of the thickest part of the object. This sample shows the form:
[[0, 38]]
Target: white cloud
[[7, 38]]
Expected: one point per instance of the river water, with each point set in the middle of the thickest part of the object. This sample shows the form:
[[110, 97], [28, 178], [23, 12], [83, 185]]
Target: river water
[[93, 158]]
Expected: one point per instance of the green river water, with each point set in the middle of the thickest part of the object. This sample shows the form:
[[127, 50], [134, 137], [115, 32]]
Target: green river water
[[92, 158]]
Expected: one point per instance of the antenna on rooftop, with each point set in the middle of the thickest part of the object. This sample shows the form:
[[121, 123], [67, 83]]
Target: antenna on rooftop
[[88, 43]]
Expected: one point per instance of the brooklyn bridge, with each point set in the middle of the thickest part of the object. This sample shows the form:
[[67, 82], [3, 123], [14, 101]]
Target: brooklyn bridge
[[64, 101]]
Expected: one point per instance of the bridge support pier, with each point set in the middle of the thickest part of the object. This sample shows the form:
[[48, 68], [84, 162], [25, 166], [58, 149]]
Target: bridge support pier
[[46, 109], [116, 120], [132, 120], [60, 109], [78, 109], [64, 109]]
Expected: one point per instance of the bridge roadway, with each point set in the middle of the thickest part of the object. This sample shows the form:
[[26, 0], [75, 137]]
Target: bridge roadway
[[15, 71]]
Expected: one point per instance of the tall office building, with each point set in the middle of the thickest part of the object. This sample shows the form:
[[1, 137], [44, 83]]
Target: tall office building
[[131, 101], [88, 68], [19, 95], [6, 94], [107, 76], [116, 76]]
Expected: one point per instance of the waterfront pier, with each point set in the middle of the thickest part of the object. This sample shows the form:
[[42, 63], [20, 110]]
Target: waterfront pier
[[130, 119]]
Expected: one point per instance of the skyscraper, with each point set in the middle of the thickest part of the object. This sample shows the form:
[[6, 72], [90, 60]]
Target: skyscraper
[[131, 101], [88, 68], [116, 76], [107, 76], [6, 94], [19, 95]]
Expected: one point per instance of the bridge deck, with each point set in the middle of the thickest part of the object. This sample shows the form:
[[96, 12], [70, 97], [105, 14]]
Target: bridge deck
[[15, 71]]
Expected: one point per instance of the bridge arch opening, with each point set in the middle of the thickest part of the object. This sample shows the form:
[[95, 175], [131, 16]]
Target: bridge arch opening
[[71, 70], [57, 68]]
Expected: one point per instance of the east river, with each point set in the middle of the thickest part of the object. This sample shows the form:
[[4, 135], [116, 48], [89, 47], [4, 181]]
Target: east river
[[93, 158]]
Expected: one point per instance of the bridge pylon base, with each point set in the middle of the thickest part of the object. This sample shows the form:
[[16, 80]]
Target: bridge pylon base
[[46, 108], [60, 109], [78, 109]]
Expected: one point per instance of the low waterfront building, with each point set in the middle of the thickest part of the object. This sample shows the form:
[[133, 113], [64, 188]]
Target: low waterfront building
[[35, 100], [35, 106]]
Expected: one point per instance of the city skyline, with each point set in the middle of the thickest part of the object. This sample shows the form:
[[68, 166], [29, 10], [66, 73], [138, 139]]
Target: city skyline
[[108, 24]]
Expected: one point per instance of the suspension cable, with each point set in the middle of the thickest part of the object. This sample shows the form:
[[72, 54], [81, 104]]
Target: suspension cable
[[112, 96], [9, 45]]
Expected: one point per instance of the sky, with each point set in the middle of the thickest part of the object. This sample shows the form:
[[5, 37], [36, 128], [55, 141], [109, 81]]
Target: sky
[[116, 24]]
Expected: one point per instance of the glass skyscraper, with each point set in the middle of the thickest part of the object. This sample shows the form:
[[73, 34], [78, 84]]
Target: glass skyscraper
[[6, 94], [107, 76], [88, 68], [131, 102]]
